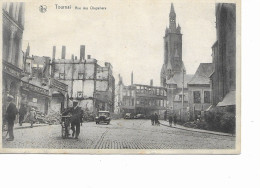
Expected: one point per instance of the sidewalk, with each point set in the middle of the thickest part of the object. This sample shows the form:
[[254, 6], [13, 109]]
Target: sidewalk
[[166, 123], [26, 125]]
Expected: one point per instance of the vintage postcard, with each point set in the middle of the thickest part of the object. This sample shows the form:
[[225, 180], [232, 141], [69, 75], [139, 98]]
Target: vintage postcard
[[121, 77]]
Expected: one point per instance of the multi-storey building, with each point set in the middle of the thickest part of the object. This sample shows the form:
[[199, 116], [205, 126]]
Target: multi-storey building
[[88, 82], [199, 90], [224, 56], [38, 89], [13, 27], [141, 99]]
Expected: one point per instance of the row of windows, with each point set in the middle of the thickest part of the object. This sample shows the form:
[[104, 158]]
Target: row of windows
[[197, 96], [129, 93], [145, 102], [81, 76], [152, 91]]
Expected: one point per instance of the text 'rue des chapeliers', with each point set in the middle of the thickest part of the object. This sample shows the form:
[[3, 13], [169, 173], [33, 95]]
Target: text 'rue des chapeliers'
[[70, 7]]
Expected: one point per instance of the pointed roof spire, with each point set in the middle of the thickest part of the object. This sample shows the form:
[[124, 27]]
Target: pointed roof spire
[[172, 12], [172, 8]]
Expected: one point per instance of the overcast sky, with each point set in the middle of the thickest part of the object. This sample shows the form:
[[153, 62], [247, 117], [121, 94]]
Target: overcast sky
[[128, 34]]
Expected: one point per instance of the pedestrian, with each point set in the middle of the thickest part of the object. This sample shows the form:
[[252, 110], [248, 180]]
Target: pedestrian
[[81, 117], [11, 113], [152, 119], [22, 113], [75, 119], [175, 119], [170, 120], [156, 119], [32, 116]]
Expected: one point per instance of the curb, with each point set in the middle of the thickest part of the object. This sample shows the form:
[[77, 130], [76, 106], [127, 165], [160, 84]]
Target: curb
[[200, 130]]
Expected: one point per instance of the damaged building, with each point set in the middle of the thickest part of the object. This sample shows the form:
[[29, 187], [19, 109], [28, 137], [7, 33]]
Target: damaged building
[[38, 89], [88, 82], [140, 99]]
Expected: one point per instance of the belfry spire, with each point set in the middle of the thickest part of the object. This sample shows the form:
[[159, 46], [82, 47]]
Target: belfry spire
[[172, 18]]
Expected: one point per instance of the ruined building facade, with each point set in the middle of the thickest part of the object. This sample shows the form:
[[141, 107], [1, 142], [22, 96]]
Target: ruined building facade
[[88, 82]]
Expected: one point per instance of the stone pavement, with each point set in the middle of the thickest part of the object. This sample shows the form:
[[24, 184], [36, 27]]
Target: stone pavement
[[120, 134]]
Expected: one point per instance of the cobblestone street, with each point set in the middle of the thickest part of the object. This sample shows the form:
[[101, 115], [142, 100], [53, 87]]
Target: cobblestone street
[[120, 134]]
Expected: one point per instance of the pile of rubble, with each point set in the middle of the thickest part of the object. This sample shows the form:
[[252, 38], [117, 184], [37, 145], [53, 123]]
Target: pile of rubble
[[53, 118]]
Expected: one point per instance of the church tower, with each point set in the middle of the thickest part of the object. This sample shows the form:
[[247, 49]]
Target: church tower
[[172, 50]]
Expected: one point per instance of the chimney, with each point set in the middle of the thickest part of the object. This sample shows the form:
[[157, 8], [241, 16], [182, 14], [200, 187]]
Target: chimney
[[28, 50], [63, 52], [72, 56], [53, 52], [89, 56], [151, 82], [82, 52], [132, 78]]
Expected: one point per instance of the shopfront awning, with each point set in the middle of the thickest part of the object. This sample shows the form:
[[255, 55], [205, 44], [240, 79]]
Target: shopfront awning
[[229, 99]]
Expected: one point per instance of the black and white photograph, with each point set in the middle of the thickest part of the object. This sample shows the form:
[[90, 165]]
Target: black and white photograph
[[121, 77]]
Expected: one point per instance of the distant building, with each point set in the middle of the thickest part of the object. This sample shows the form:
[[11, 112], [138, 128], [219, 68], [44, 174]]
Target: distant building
[[12, 63], [199, 89], [173, 72], [224, 56], [88, 82], [140, 99]]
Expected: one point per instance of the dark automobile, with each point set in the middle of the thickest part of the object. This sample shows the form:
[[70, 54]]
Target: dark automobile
[[129, 116], [140, 116], [103, 117]]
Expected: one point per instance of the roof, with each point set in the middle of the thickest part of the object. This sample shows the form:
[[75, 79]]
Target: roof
[[202, 75], [229, 99], [177, 79]]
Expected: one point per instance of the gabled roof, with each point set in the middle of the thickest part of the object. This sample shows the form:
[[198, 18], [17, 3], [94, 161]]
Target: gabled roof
[[202, 75], [178, 78]]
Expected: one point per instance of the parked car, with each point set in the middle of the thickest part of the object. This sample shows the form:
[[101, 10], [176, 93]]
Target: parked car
[[103, 117], [129, 116], [139, 116]]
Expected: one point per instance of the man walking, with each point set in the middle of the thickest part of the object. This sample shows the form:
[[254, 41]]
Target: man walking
[[75, 119], [22, 113], [11, 113], [32, 116], [156, 119]]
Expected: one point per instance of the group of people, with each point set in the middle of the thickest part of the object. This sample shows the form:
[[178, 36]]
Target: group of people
[[11, 113], [155, 119]]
